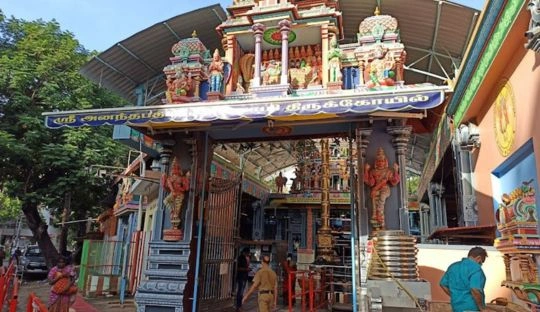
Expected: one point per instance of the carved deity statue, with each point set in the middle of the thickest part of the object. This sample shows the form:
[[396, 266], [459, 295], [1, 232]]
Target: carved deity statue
[[216, 72], [381, 68], [297, 181], [380, 178], [334, 61], [280, 182], [177, 184], [271, 73], [178, 85]]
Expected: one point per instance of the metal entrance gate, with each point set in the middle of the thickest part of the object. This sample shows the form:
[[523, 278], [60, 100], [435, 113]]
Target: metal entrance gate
[[221, 224]]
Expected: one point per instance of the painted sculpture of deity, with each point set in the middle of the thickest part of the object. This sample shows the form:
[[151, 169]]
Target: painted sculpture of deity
[[380, 178], [216, 72], [178, 85], [280, 182], [271, 73], [177, 184], [334, 61], [381, 68]]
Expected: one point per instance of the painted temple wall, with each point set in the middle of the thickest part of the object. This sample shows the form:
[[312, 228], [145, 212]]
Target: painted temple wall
[[433, 260], [525, 82]]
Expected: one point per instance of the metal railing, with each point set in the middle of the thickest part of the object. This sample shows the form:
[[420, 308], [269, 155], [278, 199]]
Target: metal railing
[[34, 304], [9, 281]]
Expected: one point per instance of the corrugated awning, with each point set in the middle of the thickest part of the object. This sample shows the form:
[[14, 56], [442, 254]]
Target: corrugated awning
[[138, 61], [435, 34]]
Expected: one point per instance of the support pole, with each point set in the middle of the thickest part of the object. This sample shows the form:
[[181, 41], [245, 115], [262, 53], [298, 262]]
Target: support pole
[[258, 30], [401, 136], [324, 234], [284, 27], [165, 158]]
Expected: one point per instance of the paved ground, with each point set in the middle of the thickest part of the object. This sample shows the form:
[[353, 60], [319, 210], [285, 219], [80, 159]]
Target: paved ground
[[41, 290]]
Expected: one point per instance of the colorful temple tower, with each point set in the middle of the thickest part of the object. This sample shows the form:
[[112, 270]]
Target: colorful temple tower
[[282, 76]]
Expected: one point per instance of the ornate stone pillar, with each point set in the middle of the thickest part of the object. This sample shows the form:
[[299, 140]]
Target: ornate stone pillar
[[229, 45], [324, 48], [258, 30], [324, 233], [361, 68], [467, 139], [170, 266], [165, 159], [508, 272], [401, 136], [362, 141], [284, 28]]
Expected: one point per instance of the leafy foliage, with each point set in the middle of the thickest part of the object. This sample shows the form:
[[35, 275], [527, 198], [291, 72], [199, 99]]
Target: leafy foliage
[[10, 208], [39, 66]]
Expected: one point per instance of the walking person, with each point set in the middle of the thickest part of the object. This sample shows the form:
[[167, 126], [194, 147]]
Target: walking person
[[265, 281], [464, 282], [242, 270], [63, 290]]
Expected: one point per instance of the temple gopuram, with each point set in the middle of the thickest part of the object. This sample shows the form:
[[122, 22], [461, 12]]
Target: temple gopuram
[[326, 124]]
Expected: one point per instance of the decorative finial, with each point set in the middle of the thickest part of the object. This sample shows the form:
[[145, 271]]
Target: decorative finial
[[194, 34], [377, 12]]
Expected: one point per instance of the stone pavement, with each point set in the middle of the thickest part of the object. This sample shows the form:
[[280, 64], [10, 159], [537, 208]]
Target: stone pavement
[[112, 304], [41, 290]]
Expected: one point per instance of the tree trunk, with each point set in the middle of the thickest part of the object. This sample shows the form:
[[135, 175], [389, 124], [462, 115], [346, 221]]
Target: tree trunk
[[62, 244], [39, 229]]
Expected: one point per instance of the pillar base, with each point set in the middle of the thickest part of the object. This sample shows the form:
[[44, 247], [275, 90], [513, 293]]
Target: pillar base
[[270, 90], [173, 235], [214, 96], [338, 85]]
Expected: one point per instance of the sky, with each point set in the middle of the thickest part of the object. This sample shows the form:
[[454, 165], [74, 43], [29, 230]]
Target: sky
[[99, 24]]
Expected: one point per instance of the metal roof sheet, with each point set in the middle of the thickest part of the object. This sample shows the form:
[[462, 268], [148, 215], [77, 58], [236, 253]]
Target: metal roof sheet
[[140, 59], [434, 32], [435, 35]]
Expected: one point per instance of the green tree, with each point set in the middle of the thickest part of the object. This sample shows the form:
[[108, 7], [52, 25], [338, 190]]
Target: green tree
[[10, 208], [39, 66]]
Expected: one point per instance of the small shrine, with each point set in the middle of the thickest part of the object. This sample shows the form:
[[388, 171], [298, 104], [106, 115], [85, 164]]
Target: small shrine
[[193, 68], [517, 221], [381, 54]]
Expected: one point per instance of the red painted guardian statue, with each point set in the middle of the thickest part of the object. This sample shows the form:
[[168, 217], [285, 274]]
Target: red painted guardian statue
[[177, 184], [379, 178]]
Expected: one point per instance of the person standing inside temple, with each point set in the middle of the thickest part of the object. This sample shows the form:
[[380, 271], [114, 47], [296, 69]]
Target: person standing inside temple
[[242, 270], [265, 281], [289, 275], [464, 282]]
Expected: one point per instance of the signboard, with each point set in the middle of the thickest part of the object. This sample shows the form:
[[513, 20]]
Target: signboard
[[343, 105]]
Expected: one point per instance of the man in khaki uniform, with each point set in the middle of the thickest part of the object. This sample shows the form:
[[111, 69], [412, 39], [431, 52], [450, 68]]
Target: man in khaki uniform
[[265, 281]]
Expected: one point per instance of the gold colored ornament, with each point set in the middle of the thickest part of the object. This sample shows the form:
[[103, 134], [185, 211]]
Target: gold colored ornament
[[505, 119]]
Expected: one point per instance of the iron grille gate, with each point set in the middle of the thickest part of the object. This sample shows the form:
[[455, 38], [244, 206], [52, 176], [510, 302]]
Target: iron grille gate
[[221, 224]]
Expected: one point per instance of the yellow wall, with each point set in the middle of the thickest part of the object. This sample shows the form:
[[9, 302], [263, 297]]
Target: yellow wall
[[433, 260]]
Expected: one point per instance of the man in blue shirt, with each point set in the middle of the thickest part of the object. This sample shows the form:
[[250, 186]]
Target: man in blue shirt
[[464, 282]]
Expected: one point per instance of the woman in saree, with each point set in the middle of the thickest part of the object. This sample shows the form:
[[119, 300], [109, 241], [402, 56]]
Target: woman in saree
[[63, 289]]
